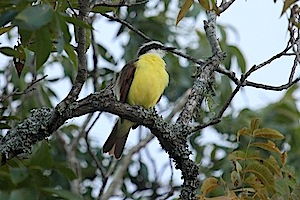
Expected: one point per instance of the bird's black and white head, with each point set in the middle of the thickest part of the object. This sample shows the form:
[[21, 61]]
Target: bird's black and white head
[[153, 47]]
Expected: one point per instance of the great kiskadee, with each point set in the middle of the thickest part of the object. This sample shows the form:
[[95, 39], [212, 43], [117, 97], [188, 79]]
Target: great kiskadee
[[141, 82]]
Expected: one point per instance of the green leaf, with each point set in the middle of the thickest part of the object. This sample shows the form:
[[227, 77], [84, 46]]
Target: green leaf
[[4, 194], [236, 155], [27, 38], [296, 193], [33, 18], [281, 186], [268, 133], [9, 52], [77, 22], [18, 175], [4, 126], [269, 146], [24, 194], [8, 118], [42, 156], [272, 164], [7, 17], [65, 194], [72, 55], [184, 9], [252, 180], [66, 171], [103, 9], [43, 45], [5, 181], [239, 57], [264, 175]]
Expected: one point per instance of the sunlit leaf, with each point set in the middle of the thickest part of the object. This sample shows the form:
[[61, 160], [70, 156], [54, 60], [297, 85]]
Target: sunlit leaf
[[257, 185], [5, 29], [184, 9], [205, 4], [209, 184], [296, 193], [272, 164], [235, 178], [269, 146], [286, 5], [268, 133], [281, 186], [254, 182], [236, 155], [243, 131], [289, 171], [33, 18], [283, 157], [264, 175], [254, 124]]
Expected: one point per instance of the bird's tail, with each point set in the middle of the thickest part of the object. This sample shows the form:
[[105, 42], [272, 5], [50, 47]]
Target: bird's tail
[[116, 141]]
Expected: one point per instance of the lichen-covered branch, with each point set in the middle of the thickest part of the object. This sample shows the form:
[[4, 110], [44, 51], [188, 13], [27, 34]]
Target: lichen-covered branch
[[20, 139]]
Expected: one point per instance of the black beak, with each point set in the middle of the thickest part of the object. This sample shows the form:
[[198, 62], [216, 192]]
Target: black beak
[[169, 48]]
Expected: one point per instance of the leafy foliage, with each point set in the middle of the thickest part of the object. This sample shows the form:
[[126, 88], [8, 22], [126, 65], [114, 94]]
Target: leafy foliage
[[46, 33], [257, 173], [32, 178]]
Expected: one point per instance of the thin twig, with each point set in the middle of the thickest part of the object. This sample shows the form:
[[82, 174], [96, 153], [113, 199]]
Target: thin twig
[[256, 67], [27, 89], [270, 87], [82, 132], [127, 24], [229, 74], [119, 172], [98, 163], [144, 36], [82, 61], [106, 4], [224, 5]]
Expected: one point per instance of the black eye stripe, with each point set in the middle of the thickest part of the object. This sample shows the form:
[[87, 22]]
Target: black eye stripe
[[147, 48]]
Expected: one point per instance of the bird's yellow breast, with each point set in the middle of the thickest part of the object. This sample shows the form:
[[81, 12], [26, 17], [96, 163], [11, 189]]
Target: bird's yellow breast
[[150, 80]]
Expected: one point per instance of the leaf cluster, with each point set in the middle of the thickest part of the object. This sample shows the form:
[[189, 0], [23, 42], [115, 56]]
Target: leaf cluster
[[259, 170], [32, 178]]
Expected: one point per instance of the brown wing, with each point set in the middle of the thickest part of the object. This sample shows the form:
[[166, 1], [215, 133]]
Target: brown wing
[[125, 80]]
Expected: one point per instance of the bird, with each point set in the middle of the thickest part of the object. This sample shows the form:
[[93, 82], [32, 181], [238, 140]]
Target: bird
[[141, 82]]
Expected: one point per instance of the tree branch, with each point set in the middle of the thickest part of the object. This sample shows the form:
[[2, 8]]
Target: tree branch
[[106, 4], [82, 62]]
